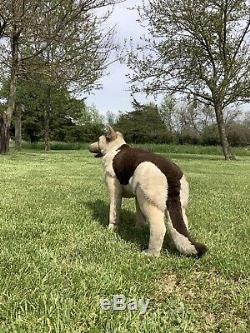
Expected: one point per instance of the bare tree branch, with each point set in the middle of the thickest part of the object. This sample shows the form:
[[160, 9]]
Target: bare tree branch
[[199, 48]]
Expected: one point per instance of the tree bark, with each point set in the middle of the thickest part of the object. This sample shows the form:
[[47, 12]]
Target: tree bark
[[223, 134], [7, 115], [4, 135], [18, 126], [46, 132], [47, 114]]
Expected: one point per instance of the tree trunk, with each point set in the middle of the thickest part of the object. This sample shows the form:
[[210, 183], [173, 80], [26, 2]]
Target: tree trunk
[[4, 135], [46, 132], [223, 135], [7, 115], [47, 114], [18, 126]]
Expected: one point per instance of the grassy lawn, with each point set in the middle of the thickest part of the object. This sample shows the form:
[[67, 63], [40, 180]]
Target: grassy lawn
[[57, 259], [160, 148]]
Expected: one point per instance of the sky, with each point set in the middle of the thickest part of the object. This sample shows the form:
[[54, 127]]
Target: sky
[[115, 95]]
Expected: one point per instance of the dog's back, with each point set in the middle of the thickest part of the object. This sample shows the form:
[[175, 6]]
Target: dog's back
[[157, 183], [161, 182], [127, 160]]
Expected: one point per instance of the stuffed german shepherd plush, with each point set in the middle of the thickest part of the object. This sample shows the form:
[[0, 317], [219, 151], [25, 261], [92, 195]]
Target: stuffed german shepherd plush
[[159, 188]]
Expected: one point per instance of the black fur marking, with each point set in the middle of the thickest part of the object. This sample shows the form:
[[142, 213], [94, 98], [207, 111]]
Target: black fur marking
[[127, 160], [175, 212]]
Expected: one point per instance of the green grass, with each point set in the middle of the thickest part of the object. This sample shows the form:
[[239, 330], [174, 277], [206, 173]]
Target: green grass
[[57, 259], [193, 149], [160, 148], [56, 145]]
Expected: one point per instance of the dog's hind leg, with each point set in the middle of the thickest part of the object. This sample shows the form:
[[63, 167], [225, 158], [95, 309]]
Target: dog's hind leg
[[156, 218], [184, 194], [140, 218]]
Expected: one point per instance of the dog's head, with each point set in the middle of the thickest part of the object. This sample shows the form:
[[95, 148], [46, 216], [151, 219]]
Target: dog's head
[[107, 142]]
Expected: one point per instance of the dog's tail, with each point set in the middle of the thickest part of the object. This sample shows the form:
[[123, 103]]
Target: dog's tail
[[179, 231]]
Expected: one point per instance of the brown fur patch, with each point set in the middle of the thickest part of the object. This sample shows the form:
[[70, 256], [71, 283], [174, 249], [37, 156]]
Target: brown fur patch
[[127, 160], [175, 212]]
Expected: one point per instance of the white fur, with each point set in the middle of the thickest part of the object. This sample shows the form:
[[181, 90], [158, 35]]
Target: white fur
[[181, 242], [156, 219], [110, 151], [184, 192], [152, 183], [108, 164], [150, 187]]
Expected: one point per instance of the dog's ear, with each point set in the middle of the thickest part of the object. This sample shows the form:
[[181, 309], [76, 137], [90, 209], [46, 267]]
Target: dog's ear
[[111, 133]]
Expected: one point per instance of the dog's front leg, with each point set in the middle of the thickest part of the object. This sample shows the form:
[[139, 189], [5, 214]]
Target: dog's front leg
[[115, 191]]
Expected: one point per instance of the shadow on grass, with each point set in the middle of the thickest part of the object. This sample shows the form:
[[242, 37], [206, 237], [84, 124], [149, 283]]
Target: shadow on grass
[[126, 229]]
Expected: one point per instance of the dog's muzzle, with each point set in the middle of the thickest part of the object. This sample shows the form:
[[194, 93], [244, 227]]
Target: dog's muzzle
[[94, 148]]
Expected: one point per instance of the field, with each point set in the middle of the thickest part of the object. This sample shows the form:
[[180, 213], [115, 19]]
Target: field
[[159, 148], [57, 259]]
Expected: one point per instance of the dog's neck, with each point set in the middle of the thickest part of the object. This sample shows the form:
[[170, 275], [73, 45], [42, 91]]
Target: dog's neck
[[115, 145]]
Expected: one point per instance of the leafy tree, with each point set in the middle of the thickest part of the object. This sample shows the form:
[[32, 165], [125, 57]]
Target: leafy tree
[[89, 126], [199, 48], [32, 95], [90, 116], [52, 32], [111, 118], [144, 124], [3, 19], [167, 112]]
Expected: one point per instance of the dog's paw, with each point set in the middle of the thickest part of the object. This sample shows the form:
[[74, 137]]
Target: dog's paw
[[151, 253], [112, 227]]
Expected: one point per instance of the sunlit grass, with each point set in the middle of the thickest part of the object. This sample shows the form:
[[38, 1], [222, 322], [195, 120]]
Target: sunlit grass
[[57, 259], [160, 148]]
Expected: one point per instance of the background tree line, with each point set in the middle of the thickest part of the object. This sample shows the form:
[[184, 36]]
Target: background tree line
[[181, 122], [62, 44], [53, 51], [196, 48], [72, 120]]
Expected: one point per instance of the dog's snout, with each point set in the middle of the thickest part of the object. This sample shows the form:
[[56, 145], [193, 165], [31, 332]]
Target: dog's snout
[[91, 148], [94, 148]]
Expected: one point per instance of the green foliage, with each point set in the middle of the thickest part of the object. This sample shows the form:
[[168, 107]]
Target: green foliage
[[167, 111], [199, 48], [40, 99], [183, 123], [210, 135], [2, 107], [55, 145], [58, 259], [144, 124], [239, 134], [70, 120], [111, 118], [185, 150]]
